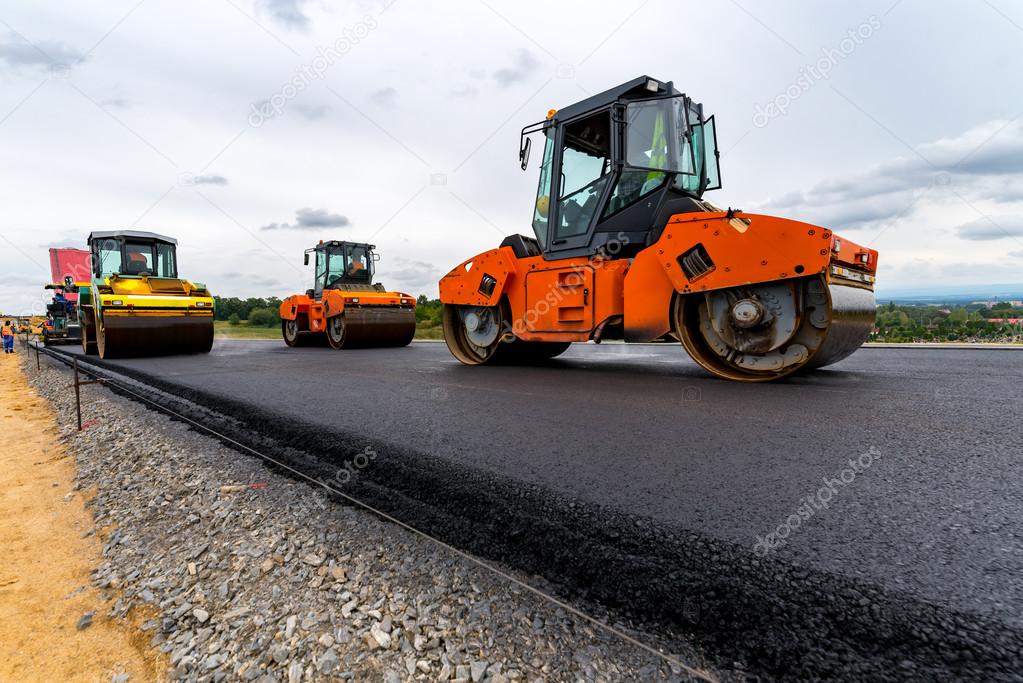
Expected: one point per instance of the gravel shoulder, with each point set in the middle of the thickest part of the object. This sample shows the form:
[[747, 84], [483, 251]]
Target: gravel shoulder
[[252, 575], [53, 622]]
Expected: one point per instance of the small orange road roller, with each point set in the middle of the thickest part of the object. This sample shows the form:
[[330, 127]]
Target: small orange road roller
[[345, 308], [626, 247]]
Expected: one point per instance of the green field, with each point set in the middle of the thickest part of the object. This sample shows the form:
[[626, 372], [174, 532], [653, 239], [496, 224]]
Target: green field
[[243, 330]]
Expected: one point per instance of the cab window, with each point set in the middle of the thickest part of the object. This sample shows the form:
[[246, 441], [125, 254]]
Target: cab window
[[358, 264], [585, 169], [138, 258], [543, 192], [108, 258]]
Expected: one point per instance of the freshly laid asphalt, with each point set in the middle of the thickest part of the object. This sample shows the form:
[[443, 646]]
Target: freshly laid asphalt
[[917, 544]]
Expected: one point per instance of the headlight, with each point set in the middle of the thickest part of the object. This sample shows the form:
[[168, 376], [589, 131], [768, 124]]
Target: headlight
[[117, 302]]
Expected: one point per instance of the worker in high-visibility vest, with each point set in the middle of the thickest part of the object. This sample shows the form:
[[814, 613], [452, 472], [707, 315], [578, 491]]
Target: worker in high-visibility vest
[[8, 334]]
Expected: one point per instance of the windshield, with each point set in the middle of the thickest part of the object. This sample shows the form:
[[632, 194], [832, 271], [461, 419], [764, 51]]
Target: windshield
[[135, 257], [656, 136], [346, 264], [670, 135]]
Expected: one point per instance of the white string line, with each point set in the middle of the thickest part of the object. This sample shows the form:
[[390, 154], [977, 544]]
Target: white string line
[[697, 673]]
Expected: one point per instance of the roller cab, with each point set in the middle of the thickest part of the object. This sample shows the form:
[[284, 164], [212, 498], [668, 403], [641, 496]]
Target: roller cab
[[626, 247], [346, 308], [136, 304]]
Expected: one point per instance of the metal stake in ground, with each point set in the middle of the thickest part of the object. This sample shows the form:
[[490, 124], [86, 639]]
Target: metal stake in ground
[[78, 393]]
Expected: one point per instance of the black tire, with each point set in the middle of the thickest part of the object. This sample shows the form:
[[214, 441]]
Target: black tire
[[89, 333], [291, 332], [515, 352], [304, 337], [336, 331]]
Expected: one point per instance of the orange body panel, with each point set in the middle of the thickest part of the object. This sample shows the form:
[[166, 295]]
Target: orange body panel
[[332, 302], [570, 299]]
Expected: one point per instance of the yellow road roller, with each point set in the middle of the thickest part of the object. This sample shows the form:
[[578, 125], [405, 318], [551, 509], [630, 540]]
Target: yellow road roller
[[137, 304]]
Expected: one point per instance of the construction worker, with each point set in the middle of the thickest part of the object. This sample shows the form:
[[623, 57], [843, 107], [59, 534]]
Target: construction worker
[[8, 334], [357, 267]]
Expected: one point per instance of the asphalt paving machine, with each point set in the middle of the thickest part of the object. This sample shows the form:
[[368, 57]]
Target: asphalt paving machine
[[626, 247], [69, 269]]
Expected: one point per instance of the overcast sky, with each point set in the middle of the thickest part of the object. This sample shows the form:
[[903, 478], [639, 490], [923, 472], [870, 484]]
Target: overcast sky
[[251, 129]]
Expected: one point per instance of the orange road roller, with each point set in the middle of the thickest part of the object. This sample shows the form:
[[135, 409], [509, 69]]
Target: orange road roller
[[345, 308], [627, 248]]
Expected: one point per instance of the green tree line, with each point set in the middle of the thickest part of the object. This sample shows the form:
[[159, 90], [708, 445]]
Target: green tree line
[[897, 323], [266, 312], [257, 311]]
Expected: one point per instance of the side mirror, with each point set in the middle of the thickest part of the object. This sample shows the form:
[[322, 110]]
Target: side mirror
[[376, 256], [524, 153], [305, 259]]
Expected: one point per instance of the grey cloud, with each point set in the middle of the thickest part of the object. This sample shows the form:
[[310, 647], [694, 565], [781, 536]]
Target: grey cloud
[[991, 228], [384, 95], [525, 65], [209, 179], [286, 12], [414, 273], [465, 91], [984, 161], [116, 103], [1016, 254], [65, 244], [311, 218], [50, 56], [312, 112]]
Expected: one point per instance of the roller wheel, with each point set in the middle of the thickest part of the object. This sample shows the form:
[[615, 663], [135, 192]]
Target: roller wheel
[[294, 333], [89, 334], [474, 335], [337, 332], [767, 331], [290, 332], [102, 343]]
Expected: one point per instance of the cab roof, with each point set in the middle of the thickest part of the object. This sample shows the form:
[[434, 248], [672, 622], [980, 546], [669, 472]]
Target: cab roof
[[639, 87], [137, 234], [339, 243]]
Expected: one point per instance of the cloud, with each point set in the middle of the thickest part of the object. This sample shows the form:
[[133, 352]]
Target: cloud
[[285, 12], [384, 95], [984, 162], [209, 179], [1016, 254], [525, 65], [991, 228], [51, 56], [465, 91], [413, 273], [312, 112], [116, 103], [311, 218], [68, 243]]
